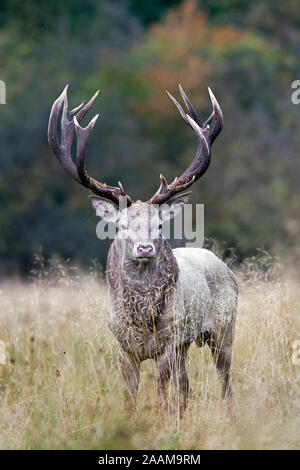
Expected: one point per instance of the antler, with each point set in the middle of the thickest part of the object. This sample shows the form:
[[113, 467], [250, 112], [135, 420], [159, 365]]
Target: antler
[[70, 123], [206, 137]]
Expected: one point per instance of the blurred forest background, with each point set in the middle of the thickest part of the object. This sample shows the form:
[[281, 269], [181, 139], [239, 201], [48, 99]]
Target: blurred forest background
[[247, 52]]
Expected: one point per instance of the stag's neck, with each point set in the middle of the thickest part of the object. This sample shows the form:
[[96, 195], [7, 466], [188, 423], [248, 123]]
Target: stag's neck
[[139, 295]]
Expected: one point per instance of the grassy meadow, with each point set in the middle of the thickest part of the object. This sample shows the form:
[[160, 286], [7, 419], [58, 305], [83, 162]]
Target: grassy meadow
[[62, 388]]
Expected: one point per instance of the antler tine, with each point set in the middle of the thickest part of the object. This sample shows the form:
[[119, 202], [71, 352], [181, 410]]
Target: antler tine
[[189, 106], [205, 138], [84, 107], [102, 189], [83, 134], [218, 126], [178, 106], [63, 154], [208, 120], [69, 124]]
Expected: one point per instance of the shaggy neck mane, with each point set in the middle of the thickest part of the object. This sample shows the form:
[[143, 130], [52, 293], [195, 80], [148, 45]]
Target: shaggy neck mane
[[142, 287]]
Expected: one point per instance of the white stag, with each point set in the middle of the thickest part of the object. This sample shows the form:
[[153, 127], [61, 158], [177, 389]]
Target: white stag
[[160, 300]]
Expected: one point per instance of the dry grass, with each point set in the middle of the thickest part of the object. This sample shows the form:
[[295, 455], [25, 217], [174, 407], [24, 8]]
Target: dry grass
[[64, 388]]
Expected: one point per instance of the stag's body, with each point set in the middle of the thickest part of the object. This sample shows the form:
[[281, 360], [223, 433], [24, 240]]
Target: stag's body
[[160, 300], [186, 295], [156, 310]]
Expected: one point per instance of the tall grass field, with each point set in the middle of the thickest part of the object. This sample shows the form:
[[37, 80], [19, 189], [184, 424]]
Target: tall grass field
[[61, 387]]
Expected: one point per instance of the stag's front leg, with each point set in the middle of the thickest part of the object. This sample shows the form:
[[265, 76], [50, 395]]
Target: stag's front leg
[[164, 372], [171, 364], [180, 380], [130, 368]]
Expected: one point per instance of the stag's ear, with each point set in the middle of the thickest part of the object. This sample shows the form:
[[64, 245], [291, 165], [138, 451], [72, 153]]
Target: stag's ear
[[104, 208], [173, 206]]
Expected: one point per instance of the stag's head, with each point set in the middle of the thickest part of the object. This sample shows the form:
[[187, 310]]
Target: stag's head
[[139, 223]]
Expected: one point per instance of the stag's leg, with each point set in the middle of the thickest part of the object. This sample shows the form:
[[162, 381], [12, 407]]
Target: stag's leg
[[164, 371], [222, 359], [130, 368], [180, 379], [221, 349], [171, 364]]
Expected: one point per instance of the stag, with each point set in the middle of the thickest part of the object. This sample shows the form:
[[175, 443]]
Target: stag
[[160, 300]]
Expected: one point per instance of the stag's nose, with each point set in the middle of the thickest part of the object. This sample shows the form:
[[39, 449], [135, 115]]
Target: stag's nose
[[145, 250]]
